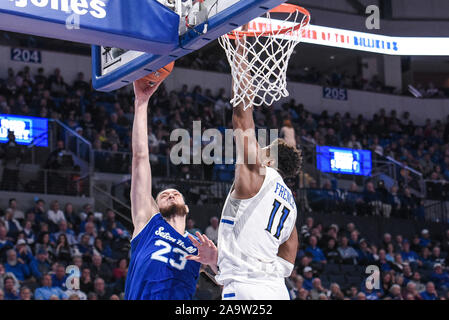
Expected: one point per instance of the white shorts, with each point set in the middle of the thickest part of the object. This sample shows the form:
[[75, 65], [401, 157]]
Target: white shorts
[[264, 291]]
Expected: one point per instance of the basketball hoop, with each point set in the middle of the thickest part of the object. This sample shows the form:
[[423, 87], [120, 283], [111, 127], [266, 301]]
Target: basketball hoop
[[259, 55]]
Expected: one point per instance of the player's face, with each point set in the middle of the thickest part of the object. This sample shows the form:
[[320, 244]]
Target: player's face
[[171, 202], [169, 197]]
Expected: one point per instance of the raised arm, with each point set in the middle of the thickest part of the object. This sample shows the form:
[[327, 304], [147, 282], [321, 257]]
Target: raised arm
[[248, 179], [143, 206]]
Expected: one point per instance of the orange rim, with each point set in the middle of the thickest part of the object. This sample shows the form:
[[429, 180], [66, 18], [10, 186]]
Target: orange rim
[[283, 8]]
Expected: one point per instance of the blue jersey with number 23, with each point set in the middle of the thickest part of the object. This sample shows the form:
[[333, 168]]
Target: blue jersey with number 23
[[158, 269]]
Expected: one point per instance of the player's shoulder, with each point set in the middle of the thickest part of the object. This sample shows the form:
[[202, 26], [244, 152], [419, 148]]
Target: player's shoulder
[[153, 222]]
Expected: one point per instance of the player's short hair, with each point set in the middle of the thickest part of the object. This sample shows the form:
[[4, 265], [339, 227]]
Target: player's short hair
[[174, 188], [289, 159]]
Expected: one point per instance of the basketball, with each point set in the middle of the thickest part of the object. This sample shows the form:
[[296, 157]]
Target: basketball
[[299, 151], [160, 75]]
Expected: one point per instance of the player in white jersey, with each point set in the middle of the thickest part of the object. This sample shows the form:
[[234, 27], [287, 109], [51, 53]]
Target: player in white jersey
[[257, 241]]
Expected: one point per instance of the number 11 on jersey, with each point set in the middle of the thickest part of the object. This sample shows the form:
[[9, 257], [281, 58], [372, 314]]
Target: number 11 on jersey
[[285, 213]]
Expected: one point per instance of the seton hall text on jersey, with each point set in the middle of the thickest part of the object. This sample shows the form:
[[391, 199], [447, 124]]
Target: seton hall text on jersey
[[285, 194], [167, 236]]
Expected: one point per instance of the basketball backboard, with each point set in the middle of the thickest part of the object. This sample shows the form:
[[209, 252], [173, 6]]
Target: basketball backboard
[[200, 22]]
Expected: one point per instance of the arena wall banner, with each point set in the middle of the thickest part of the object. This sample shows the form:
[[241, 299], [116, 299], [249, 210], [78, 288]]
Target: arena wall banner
[[147, 25], [362, 41]]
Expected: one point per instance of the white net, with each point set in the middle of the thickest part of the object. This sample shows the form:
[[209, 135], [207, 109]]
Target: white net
[[259, 60]]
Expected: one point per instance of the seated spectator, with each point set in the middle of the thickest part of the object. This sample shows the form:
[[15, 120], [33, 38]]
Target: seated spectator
[[28, 231], [361, 296], [436, 256], [425, 259], [317, 254], [440, 278], [100, 269], [371, 294], [48, 290], [18, 214], [13, 226], [317, 289], [75, 294], [16, 266], [63, 252], [59, 278], [90, 232], [398, 264], [372, 198], [395, 293], [38, 212], [383, 263], [191, 228], [384, 198], [212, 230], [10, 292], [408, 255], [430, 293], [24, 252], [335, 292], [411, 290], [331, 253], [86, 283], [110, 218], [64, 230], [100, 289], [121, 270], [102, 249], [415, 244], [40, 265], [25, 293], [303, 294], [425, 238], [364, 253], [347, 253], [297, 286], [308, 278], [407, 273], [73, 220], [77, 260], [55, 215], [84, 247], [44, 243], [386, 240], [5, 242]]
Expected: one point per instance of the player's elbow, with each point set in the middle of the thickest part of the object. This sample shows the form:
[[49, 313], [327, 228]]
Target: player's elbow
[[140, 157]]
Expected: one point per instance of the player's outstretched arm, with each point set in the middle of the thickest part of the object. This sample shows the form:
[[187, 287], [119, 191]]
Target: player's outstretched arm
[[207, 251], [248, 178], [143, 206]]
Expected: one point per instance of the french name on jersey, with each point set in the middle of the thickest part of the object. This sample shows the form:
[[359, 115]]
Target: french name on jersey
[[167, 236], [285, 194]]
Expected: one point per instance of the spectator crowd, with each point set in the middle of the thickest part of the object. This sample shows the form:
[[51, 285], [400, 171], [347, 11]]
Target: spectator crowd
[[337, 263], [43, 249]]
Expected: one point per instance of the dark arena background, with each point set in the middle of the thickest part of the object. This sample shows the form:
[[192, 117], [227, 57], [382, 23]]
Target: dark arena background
[[372, 119]]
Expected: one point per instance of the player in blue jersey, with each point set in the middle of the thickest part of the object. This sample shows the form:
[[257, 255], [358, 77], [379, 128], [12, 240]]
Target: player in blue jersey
[[158, 269]]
